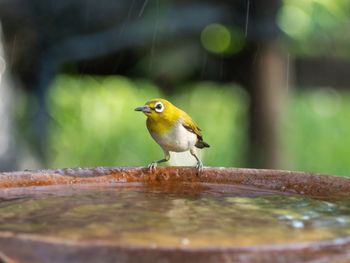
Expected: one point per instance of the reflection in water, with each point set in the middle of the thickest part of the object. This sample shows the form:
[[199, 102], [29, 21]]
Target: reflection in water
[[158, 217]]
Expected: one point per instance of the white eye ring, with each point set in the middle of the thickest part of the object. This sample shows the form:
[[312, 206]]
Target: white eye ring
[[159, 107]]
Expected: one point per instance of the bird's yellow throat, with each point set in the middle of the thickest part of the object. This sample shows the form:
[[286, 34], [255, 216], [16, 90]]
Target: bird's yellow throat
[[162, 124]]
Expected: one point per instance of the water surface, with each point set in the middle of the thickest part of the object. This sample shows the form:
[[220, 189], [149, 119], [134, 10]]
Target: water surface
[[189, 215]]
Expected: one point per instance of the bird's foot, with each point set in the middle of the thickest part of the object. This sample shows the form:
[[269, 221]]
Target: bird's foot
[[199, 167], [152, 166]]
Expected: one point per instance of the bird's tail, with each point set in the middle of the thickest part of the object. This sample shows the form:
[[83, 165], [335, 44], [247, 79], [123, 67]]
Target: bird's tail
[[202, 144]]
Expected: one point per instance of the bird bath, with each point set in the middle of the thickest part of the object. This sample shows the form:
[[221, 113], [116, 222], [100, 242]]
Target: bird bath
[[173, 215]]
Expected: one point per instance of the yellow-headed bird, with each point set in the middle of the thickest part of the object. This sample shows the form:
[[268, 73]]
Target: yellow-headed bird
[[173, 129]]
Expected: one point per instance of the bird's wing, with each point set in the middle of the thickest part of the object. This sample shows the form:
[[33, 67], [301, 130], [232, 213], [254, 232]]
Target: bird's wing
[[191, 126]]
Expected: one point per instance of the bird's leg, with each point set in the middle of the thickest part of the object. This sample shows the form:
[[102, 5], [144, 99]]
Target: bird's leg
[[153, 165], [199, 165]]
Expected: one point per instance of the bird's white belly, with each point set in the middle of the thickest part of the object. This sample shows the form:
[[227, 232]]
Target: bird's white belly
[[177, 139]]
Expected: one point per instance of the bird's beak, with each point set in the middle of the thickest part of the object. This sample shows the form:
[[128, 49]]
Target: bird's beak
[[144, 109]]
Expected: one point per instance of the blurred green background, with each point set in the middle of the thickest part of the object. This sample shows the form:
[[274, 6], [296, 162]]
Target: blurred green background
[[94, 122], [98, 113]]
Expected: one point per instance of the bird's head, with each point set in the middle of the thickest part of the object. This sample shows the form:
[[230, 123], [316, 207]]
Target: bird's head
[[157, 109]]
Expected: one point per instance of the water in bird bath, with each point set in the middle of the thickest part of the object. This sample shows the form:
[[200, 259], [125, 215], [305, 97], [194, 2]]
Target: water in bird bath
[[185, 215]]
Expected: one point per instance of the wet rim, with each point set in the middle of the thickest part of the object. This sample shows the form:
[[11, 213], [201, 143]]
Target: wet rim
[[313, 185]]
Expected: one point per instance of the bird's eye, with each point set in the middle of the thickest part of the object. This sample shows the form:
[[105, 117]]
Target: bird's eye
[[159, 107]]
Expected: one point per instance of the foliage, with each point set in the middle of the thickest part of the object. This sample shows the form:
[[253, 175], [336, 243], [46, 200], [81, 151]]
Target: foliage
[[94, 123], [317, 131], [314, 27]]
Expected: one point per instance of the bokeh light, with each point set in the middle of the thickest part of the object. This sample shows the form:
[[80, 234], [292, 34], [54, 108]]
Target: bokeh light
[[325, 102], [294, 21], [216, 38]]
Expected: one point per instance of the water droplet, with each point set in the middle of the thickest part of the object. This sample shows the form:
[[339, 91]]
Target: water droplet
[[185, 241], [297, 224], [329, 204], [285, 217], [343, 220], [143, 7], [305, 217], [247, 19], [310, 214]]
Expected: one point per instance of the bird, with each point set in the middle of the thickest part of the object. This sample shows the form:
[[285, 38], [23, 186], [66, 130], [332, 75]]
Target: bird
[[173, 129]]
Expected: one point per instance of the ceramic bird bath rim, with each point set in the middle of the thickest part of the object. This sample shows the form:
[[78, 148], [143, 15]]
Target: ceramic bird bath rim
[[304, 183]]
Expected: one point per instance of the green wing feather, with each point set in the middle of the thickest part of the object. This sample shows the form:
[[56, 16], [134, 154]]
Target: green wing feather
[[191, 126]]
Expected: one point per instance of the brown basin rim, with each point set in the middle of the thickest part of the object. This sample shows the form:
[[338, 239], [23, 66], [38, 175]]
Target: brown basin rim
[[310, 184]]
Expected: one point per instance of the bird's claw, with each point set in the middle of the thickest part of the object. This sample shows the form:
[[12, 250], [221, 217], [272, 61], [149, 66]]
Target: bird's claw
[[199, 167], [152, 166]]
